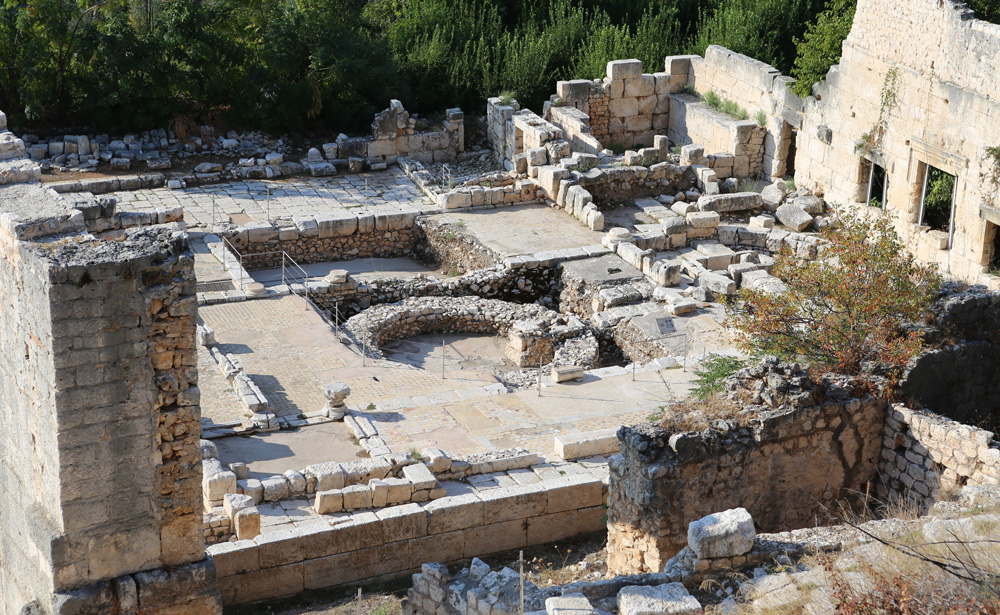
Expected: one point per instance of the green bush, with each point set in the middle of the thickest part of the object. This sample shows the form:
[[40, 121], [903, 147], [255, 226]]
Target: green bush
[[820, 46], [711, 374]]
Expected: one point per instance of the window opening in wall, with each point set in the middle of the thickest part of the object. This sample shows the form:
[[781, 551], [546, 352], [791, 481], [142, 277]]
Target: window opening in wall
[[790, 158], [878, 185], [937, 201], [993, 245]]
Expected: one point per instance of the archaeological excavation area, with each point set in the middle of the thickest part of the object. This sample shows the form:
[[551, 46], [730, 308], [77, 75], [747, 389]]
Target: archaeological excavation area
[[407, 351]]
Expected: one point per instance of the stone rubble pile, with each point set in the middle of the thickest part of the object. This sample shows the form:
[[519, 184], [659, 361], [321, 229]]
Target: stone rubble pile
[[15, 167]]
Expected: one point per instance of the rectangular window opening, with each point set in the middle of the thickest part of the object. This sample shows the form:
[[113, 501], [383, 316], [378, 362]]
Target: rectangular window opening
[[878, 185], [937, 200], [993, 244]]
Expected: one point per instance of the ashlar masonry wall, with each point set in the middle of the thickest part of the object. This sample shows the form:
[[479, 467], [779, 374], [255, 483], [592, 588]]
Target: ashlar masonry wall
[[789, 468], [940, 63], [101, 473]]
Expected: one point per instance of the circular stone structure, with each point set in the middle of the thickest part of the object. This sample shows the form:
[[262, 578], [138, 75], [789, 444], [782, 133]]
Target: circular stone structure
[[535, 334]]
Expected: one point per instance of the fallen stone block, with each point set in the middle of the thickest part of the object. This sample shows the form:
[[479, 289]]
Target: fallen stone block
[[794, 217], [740, 201], [589, 444], [717, 283], [569, 604], [666, 599], [725, 534]]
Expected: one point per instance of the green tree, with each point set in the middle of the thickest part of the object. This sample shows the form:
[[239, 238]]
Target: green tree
[[846, 310], [820, 47]]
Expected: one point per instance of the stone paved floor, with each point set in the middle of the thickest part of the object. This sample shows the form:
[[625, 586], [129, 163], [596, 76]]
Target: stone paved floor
[[385, 191], [525, 229]]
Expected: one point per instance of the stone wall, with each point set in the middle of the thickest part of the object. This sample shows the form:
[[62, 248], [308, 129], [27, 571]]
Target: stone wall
[[946, 114], [398, 539], [108, 412], [927, 456], [324, 238], [693, 121], [790, 468], [754, 86], [535, 333], [626, 109]]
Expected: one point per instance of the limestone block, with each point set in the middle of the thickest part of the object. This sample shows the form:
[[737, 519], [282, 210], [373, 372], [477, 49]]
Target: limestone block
[[454, 513], [569, 604], [235, 502], [329, 475], [589, 444], [296, 482], [692, 154], [537, 156], [703, 219], [772, 196], [574, 491], [336, 225], [812, 205], [643, 85], [683, 208], [717, 283], [331, 151], [419, 476], [763, 281], [725, 534], [624, 107], [794, 217], [549, 177], [357, 497], [740, 201], [666, 599], [436, 459], [246, 523], [218, 485], [624, 69], [232, 558], [330, 501], [275, 488], [762, 222], [208, 449], [718, 256], [253, 488]]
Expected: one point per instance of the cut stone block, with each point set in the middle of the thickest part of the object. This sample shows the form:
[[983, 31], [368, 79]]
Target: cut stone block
[[794, 217], [726, 534], [666, 599]]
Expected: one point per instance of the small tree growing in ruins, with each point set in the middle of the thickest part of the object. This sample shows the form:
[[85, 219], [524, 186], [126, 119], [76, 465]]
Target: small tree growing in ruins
[[846, 310]]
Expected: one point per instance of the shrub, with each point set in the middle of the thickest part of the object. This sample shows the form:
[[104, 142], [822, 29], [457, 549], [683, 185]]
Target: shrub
[[843, 311], [820, 46], [712, 99], [712, 373]]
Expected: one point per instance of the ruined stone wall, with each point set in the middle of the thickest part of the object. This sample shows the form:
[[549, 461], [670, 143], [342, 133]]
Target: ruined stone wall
[[927, 456], [946, 114], [626, 109], [789, 468], [30, 516], [692, 121], [100, 386], [754, 86], [399, 539], [324, 238]]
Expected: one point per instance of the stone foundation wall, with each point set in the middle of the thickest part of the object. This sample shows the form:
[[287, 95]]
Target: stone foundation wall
[[398, 539], [807, 459], [324, 238], [535, 333], [925, 455]]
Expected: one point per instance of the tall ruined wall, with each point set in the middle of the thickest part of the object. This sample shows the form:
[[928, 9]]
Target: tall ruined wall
[[30, 516], [101, 471], [754, 86], [946, 114], [788, 468]]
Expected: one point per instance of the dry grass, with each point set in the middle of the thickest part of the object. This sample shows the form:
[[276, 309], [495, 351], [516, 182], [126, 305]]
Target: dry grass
[[698, 414]]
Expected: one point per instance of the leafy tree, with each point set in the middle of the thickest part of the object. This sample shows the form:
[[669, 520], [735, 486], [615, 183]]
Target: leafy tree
[[762, 29], [987, 10], [846, 310], [820, 47]]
